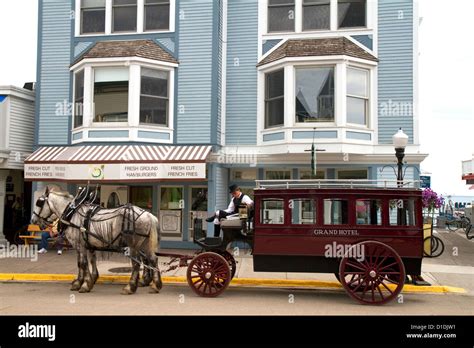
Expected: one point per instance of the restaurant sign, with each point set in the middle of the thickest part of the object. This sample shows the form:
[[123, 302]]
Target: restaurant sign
[[115, 172]]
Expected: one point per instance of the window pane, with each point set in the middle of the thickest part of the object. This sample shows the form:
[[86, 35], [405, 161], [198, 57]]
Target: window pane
[[171, 198], [199, 199], [358, 82], [93, 21], [402, 212], [357, 111], [351, 13], [78, 99], [110, 74], [281, 18], [335, 212], [125, 2], [274, 113], [307, 175], [93, 3], [316, 17], [368, 212], [272, 212], [157, 17], [352, 174], [111, 101], [154, 111], [303, 211], [154, 82], [314, 94], [277, 175], [142, 197], [244, 174], [275, 84], [125, 17]]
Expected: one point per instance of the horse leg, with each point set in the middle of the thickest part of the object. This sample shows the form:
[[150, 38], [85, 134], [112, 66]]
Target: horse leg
[[93, 263], [157, 284], [147, 274], [88, 283], [131, 287], [77, 283]]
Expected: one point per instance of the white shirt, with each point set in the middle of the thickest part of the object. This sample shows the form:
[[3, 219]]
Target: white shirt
[[245, 200]]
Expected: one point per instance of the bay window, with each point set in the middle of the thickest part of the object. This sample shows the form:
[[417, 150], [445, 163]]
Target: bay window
[[314, 94], [78, 98], [154, 97], [157, 14], [92, 16], [124, 15], [111, 94], [352, 13], [281, 15], [357, 96], [275, 99], [316, 14]]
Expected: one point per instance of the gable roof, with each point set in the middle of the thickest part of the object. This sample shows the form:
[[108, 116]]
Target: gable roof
[[318, 47], [134, 48]]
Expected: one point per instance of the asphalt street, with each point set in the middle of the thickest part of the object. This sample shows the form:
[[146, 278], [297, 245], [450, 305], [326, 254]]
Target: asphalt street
[[105, 299]]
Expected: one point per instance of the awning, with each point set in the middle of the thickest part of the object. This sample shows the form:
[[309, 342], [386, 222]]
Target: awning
[[117, 163]]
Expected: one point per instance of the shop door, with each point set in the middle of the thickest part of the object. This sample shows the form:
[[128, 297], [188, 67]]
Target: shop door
[[142, 196], [171, 212], [198, 208]]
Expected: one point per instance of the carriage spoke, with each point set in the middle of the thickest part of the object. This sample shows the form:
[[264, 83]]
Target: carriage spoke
[[355, 266]]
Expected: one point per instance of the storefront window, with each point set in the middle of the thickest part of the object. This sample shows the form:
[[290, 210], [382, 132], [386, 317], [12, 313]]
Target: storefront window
[[308, 175], [142, 196], [199, 199], [171, 198], [278, 175]]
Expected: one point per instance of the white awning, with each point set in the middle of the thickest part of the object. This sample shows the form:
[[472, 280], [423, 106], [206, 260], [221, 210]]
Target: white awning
[[117, 163]]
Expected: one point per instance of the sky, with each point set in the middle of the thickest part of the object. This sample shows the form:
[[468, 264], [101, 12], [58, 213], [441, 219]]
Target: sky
[[446, 73]]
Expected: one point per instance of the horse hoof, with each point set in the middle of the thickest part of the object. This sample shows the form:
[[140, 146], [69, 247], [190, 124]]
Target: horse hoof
[[128, 290], [75, 286], [154, 289], [84, 290]]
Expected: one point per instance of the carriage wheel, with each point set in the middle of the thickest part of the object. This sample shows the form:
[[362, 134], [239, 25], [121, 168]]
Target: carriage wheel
[[230, 259], [208, 274], [376, 276], [436, 246]]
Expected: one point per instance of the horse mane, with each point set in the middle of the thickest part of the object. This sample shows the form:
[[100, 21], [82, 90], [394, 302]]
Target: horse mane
[[62, 194]]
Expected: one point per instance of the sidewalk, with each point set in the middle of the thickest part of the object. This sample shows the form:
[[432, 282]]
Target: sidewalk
[[115, 268]]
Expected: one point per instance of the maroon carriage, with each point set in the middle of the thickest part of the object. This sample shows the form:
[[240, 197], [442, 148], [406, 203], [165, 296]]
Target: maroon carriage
[[369, 234]]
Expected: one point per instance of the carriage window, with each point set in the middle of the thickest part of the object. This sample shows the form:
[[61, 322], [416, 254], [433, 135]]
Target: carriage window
[[368, 212], [402, 212], [303, 211], [272, 212], [335, 212]]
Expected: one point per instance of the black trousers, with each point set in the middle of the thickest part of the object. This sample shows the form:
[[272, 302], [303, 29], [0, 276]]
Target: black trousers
[[217, 228]]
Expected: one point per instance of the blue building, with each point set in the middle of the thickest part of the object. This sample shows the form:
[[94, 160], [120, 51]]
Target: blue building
[[164, 103]]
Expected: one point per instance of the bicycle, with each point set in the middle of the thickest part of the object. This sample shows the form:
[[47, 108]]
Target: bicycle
[[459, 223]]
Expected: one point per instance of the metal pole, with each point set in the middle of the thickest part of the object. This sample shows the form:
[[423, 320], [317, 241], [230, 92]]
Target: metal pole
[[400, 154]]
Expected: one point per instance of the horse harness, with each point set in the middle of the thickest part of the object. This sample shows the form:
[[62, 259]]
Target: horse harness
[[130, 216]]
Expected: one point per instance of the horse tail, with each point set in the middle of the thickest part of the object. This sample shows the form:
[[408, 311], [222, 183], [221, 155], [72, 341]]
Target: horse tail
[[155, 235]]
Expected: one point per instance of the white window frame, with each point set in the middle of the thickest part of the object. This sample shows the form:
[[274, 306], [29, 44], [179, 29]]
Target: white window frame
[[340, 124], [140, 20], [134, 64], [367, 99]]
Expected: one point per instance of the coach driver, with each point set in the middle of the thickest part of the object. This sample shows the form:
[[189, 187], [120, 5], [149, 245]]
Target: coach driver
[[238, 198]]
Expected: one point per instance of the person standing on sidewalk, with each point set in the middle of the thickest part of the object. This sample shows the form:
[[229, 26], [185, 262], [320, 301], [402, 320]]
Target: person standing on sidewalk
[[51, 233]]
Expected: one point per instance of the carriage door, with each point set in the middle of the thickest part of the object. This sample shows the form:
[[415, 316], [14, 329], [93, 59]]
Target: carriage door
[[171, 212], [198, 208]]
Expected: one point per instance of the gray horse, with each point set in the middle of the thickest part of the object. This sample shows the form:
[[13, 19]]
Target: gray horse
[[105, 233]]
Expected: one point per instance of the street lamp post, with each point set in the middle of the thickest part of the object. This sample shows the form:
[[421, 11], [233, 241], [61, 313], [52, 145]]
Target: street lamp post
[[400, 142]]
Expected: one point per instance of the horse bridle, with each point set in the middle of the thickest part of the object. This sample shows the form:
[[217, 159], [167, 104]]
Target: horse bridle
[[40, 204]]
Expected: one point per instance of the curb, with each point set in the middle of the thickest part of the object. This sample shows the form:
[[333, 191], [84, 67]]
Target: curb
[[252, 282]]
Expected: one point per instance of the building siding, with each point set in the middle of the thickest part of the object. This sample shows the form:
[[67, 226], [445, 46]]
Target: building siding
[[195, 71], [395, 71], [54, 83], [242, 56], [22, 124]]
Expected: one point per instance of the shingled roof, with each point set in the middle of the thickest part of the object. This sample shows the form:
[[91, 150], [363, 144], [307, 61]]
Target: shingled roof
[[318, 47], [135, 48]]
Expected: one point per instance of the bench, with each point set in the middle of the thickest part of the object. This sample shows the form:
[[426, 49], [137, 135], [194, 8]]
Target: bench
[[34, 236]]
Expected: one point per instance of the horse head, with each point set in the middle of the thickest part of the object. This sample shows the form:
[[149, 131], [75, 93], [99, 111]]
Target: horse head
[[49, 207]]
